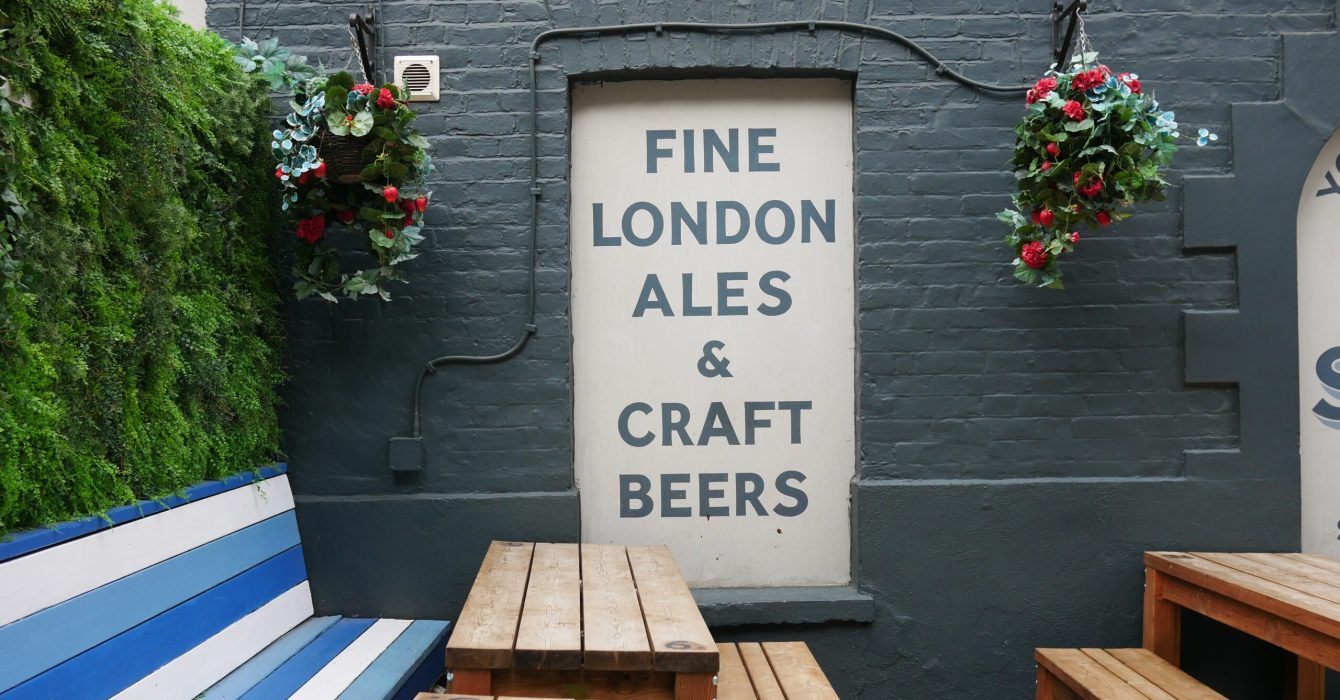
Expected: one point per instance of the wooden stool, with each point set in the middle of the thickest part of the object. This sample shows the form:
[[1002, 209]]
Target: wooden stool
[[752, 671], [1114, 674]]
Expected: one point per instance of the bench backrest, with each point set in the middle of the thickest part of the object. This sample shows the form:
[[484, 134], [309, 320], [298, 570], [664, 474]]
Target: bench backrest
[[160, 599]]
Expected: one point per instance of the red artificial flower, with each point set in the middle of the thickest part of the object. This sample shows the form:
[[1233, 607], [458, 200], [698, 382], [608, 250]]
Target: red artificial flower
[[312, 230], [1130, 81], [1045, 86], [385, 100], [1053, 149], [1036, 217], [1046, 165], [320, 169], [409, 220], [1088, 80], [279, 173], [364, 88], [1046, 217], [1074, 110], [1104, 218], [407, 206], [420, 203], [1034, 255], [1092, 188], [302, 179], [390, 193], [346, 216], [390, 233], [1074, 237]]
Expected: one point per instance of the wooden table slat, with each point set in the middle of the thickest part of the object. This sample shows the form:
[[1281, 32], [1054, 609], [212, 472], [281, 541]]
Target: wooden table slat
[[1274, 571], [733, 679], [760, 672], [1145, 686], [679, 638], [615, 636], [1078, 671], [1304, 608], [1322, 563], [798, 672], [550, 633], [1180, 685], [485, 632]]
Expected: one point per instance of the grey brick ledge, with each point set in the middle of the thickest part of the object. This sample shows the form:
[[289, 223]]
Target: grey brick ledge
[[726, 607]]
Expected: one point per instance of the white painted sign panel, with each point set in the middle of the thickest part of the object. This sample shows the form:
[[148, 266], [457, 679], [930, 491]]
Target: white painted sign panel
[[713, 321], [1319, 352]]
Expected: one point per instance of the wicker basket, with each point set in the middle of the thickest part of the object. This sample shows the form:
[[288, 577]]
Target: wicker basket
[[343, 156]]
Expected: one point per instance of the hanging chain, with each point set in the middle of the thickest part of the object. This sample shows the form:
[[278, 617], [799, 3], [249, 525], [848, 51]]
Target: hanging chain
[[354, 54], [1082, 44]]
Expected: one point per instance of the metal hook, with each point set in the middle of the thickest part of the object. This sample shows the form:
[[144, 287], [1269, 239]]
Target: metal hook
[[362, 27], [1060, 13]]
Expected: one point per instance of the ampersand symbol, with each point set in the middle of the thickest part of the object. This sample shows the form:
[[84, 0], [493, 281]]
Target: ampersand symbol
[[710, 364]]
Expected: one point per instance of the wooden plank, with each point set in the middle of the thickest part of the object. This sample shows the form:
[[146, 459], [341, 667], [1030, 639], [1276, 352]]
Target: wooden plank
[[615, 636], [550, 633], [695, 686], [472, 680], [1324, 563], [1304, 608], [679, 638], [1269, 571], [290, 675], [733, 679], [486, 629], [1280, 631], [335, 677], [1164, 675], [189, 674], [760, 672], [51, 636], [420, 650], [798, 672], [249, 674], [1132, 678], [1085, 676], [42, 579], [1162, 632], [1304, 680], [1049, 687], [624, 685]]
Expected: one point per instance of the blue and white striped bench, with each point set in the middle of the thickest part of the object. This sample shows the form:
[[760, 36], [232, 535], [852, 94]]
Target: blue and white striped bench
[[201, 594]]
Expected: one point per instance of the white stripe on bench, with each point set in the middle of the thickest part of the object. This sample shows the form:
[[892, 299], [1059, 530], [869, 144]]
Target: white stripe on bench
[[342, 670], [50, 576], [195, 671]]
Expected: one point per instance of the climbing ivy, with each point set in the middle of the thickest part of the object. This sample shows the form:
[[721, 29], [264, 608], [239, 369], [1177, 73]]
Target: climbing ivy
[[139, 332]]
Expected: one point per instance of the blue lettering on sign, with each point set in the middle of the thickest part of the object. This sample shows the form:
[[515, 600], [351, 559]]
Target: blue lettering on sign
[[1331, 186], [1329, 376]]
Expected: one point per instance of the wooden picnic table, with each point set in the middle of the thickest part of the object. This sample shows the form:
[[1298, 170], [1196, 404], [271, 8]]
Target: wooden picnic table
[[1289, 600], [593, 621]]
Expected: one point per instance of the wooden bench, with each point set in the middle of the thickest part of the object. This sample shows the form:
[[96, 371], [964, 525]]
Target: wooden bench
[[205, 593], [771, 671], [592, 621], [1114, 674]]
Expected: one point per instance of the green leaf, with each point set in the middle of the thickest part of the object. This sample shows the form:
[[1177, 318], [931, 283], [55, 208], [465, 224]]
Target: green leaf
[[417, 140], [362, 124], [337, 123]]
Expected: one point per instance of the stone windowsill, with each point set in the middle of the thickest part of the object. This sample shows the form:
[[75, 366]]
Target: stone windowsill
[[724, 607]]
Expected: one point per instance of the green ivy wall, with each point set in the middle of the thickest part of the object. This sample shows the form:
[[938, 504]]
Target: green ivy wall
[[139, 333]]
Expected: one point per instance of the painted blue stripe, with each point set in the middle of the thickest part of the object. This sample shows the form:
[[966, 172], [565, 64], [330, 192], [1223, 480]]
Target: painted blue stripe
[[114, 665], [391, 670], [434, 663], [298, 670], [30, 541], [46, 638], [235, 684]]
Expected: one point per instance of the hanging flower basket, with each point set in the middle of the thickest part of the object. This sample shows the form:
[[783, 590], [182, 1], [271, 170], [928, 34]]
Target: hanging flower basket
[[1091, 145], [343, 156], [351, 164]]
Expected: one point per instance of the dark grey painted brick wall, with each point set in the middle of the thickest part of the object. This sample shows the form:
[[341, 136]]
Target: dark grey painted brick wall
[[1020, 448]]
